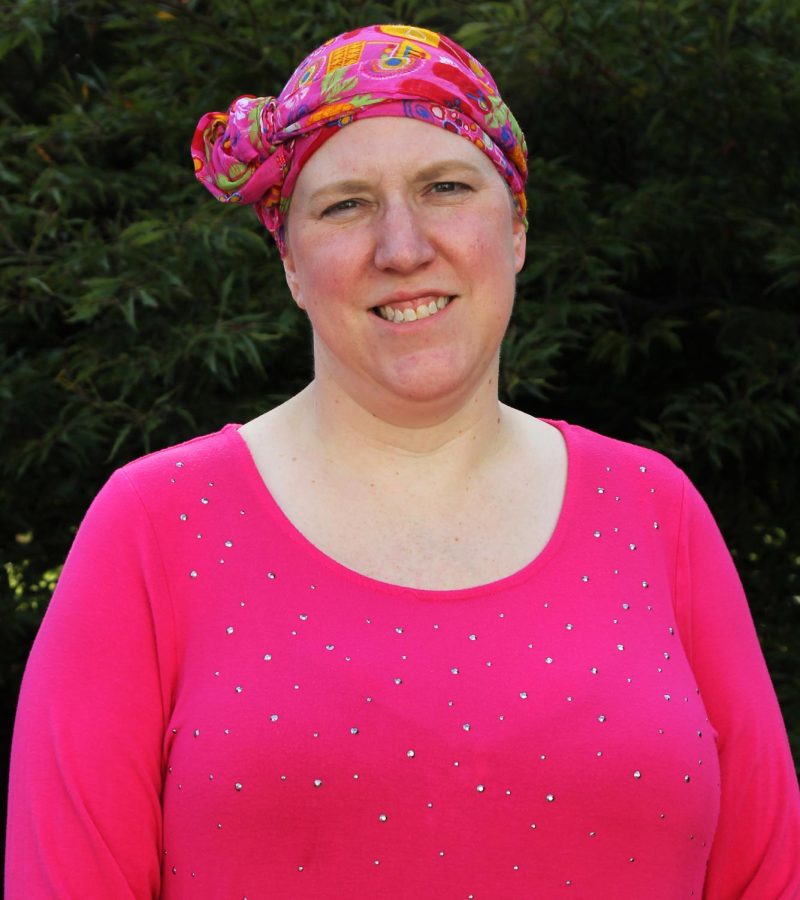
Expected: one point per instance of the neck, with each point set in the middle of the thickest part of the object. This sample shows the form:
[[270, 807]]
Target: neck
[[460, 436]]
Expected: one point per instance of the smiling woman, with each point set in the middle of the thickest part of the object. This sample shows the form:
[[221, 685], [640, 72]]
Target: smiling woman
[[393, 638], [423, 220]]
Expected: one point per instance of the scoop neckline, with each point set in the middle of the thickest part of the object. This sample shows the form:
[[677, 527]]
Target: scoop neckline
[[269, 506]]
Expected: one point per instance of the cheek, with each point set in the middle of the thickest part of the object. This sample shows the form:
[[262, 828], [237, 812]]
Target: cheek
[[335, 279], [488, 236], [491, 261], [328, 289], [328, 293], [320, 276]]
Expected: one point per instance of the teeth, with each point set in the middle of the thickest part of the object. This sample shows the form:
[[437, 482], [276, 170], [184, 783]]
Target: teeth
[[423, 311]]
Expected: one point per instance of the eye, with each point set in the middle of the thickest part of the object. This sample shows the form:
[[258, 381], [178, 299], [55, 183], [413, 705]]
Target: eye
[[449, 187], [340, 206]]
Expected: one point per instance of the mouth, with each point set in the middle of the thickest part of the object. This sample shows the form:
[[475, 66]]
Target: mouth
[[411, 310]]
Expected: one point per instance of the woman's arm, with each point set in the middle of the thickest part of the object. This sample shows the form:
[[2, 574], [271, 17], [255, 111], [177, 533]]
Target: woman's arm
[[756, 851], [87, 757]]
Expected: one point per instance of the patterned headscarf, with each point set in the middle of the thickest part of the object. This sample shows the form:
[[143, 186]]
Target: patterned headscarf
[[253, 153]]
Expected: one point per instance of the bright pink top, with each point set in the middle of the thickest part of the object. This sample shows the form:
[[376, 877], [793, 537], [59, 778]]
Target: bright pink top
[[213, 708]]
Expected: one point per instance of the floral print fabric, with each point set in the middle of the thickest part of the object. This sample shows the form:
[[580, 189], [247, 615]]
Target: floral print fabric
[[253, 153]]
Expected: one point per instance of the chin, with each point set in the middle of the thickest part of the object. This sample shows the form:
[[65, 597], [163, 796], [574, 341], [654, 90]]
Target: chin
[[432, 385]]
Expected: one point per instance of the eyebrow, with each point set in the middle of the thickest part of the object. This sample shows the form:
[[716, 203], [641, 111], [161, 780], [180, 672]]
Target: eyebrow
[[446, 166], [429, 173]]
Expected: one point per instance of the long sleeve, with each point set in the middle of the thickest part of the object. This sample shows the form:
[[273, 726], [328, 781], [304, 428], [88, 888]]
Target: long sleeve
[[756, 850], [87, 757]]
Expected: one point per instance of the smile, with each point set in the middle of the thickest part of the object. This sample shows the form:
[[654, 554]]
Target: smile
[[421, 308]]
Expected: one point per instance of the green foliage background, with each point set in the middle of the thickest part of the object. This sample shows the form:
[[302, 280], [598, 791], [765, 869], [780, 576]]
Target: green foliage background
[[658, 304]]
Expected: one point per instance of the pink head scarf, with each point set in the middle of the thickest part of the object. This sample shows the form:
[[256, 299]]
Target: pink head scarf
[[253, 153]]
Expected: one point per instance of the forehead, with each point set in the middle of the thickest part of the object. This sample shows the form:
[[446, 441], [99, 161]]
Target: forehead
[[385, 147]]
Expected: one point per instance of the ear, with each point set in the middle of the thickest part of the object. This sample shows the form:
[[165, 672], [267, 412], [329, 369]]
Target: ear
[[519, 239], [293, 279]]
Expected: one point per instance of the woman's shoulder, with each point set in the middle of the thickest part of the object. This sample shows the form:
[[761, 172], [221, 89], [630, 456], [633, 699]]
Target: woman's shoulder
[[602, 453], [197, 454], [156, 481], [636, 480], [196, 449]]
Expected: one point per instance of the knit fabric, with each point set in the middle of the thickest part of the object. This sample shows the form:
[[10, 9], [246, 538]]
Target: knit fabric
[[214, 708]]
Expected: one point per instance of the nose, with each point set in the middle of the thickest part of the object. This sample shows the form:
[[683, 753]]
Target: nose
[[401, 240]]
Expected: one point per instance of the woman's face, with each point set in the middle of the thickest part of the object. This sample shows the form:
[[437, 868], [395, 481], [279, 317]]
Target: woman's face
[[403, 248]]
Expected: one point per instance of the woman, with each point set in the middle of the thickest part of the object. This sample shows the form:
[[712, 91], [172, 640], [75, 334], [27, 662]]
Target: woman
[[393, 638]]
